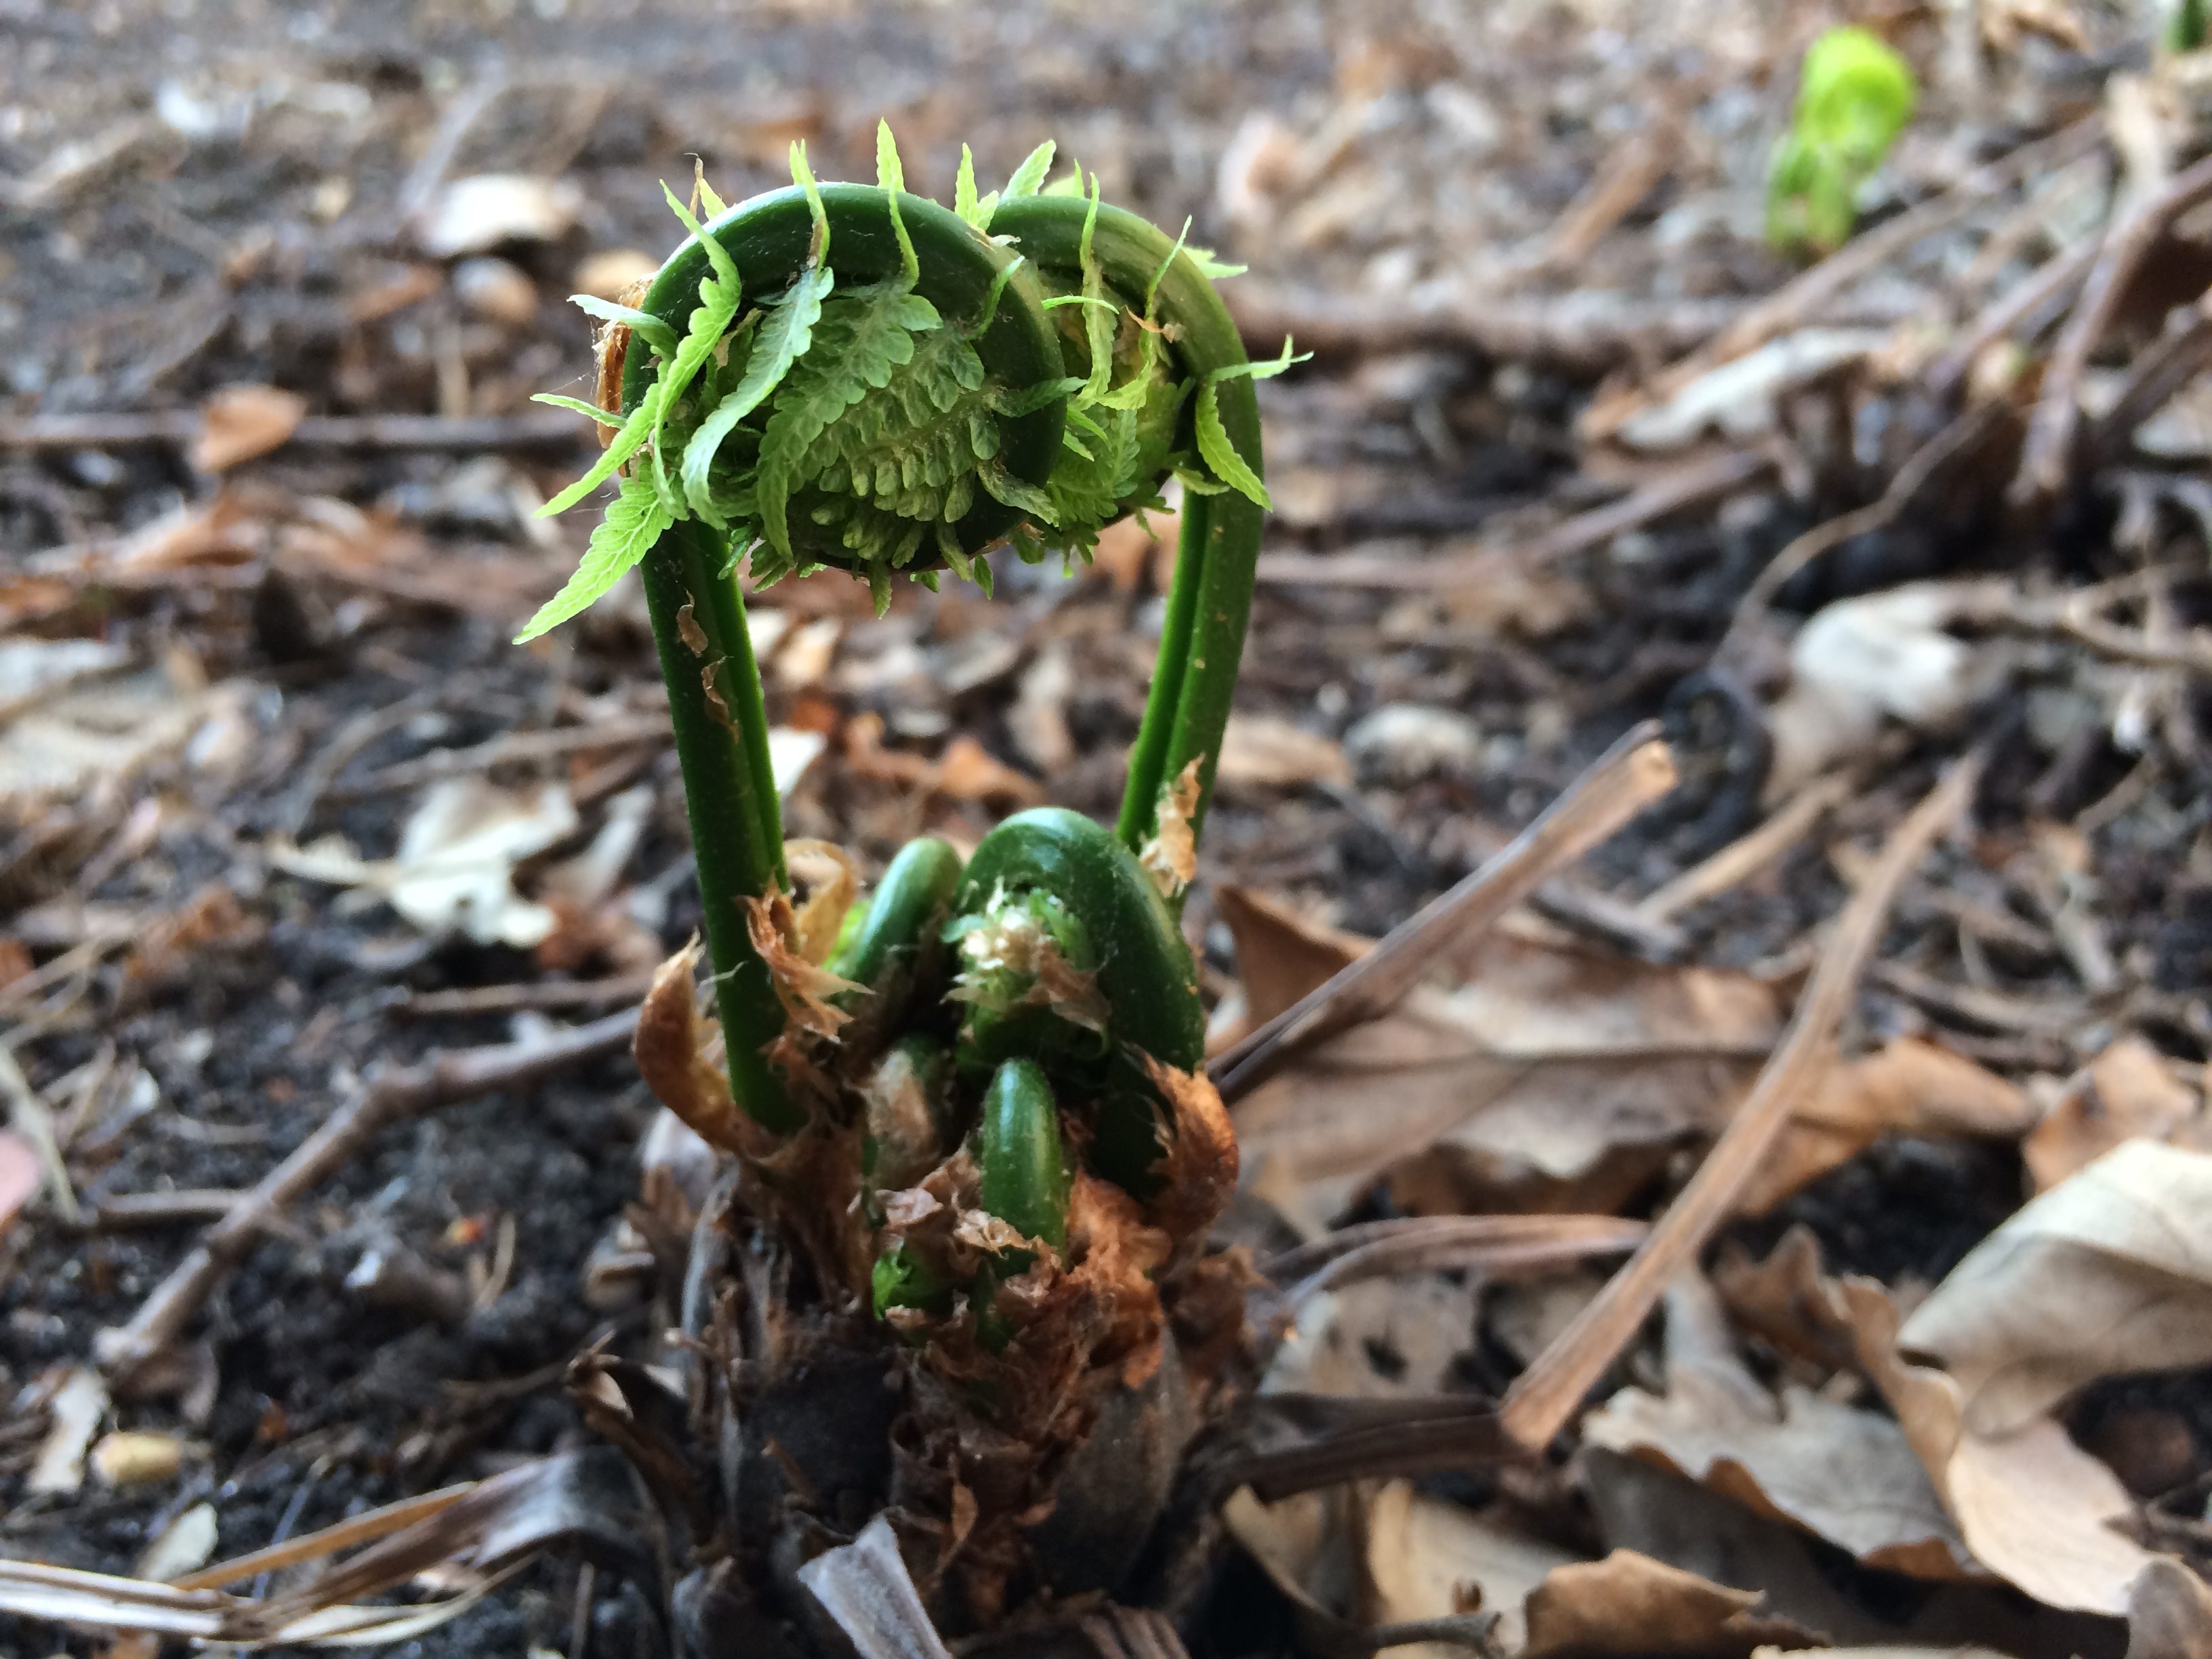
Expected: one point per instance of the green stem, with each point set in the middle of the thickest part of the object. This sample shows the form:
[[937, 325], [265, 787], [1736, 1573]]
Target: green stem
[[721, 745], [1209, 601], [721, 734]]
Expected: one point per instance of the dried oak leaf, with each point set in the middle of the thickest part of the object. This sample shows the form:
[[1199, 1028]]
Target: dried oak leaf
[[2126, 1093]]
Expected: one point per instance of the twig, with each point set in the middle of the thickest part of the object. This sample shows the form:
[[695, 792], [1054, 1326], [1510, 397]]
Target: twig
[[2047, 458], [546, 429], [505, 749], [511, 999], [1748, 854], [1963, 433], [391, 1098], [1478, 1243], [1788, 305], [1635, 772], [2048, 286], [1677, 491], [130, 1212], [1580, 332], [1547, 1394], [2169, 365], [1310, 1440]]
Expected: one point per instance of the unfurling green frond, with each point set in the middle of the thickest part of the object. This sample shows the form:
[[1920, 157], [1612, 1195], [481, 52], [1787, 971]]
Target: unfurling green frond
[[1220, 455], [656, 334], [1028, 176], [633, 524], [783, 341]]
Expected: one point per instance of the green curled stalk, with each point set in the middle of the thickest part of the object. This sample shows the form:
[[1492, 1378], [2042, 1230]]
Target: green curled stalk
[[1134, 953], [855, 376], [1018, 1158], [912, 896], [1217, 548]]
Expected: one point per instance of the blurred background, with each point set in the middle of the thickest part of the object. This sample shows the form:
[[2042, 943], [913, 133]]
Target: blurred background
[[1590, 436]]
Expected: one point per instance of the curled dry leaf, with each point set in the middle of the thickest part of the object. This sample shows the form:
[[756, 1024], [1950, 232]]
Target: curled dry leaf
[[1847, 1475], [2108, 1272], [1906, 1087], [670, 1045], [2031, 1506], [1549, 1077], [2125, 1094], [241, 422], [1630, 1603], [804, 987]]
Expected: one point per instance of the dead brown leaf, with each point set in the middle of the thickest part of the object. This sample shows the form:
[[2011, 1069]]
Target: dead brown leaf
[[1805, 1459], [1265, 752], [2108, 1272], [1548, 1078], [1629, 1603], [1426, 1559], [2126, 1093], [241, 422], [1907, 1087]]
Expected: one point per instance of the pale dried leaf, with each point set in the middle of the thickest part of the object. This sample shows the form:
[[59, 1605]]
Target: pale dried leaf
[[2033, 1507], [75, 1411], [1266, 751], [1847, 1475], [477, 214], [866, 1587], [2126, 1093], [1537, 1071], [107, 732], [241, 422], [1738, 400], [2108, 1272], [1906, 1087], [1629, 1603], [183, 1546], [1426, 1559]]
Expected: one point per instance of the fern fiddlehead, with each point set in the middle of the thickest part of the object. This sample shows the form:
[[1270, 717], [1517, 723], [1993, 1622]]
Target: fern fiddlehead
[[989, 1122]]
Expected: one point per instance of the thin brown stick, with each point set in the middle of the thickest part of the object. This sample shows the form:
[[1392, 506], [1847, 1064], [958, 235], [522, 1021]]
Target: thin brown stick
[[132, 1211], [1627, 778], [1544, 1397], [126, 1349], [1749, 853], [505, 750], [1961, 434], [2047, 286], [2170, 364], [551, 429], [2047, 458], [512, 999], [1478, 1243], [1578, 333], [1857, 258], [1677, 492]]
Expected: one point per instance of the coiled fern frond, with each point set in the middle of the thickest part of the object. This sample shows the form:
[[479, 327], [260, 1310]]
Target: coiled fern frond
[[860, 425]]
